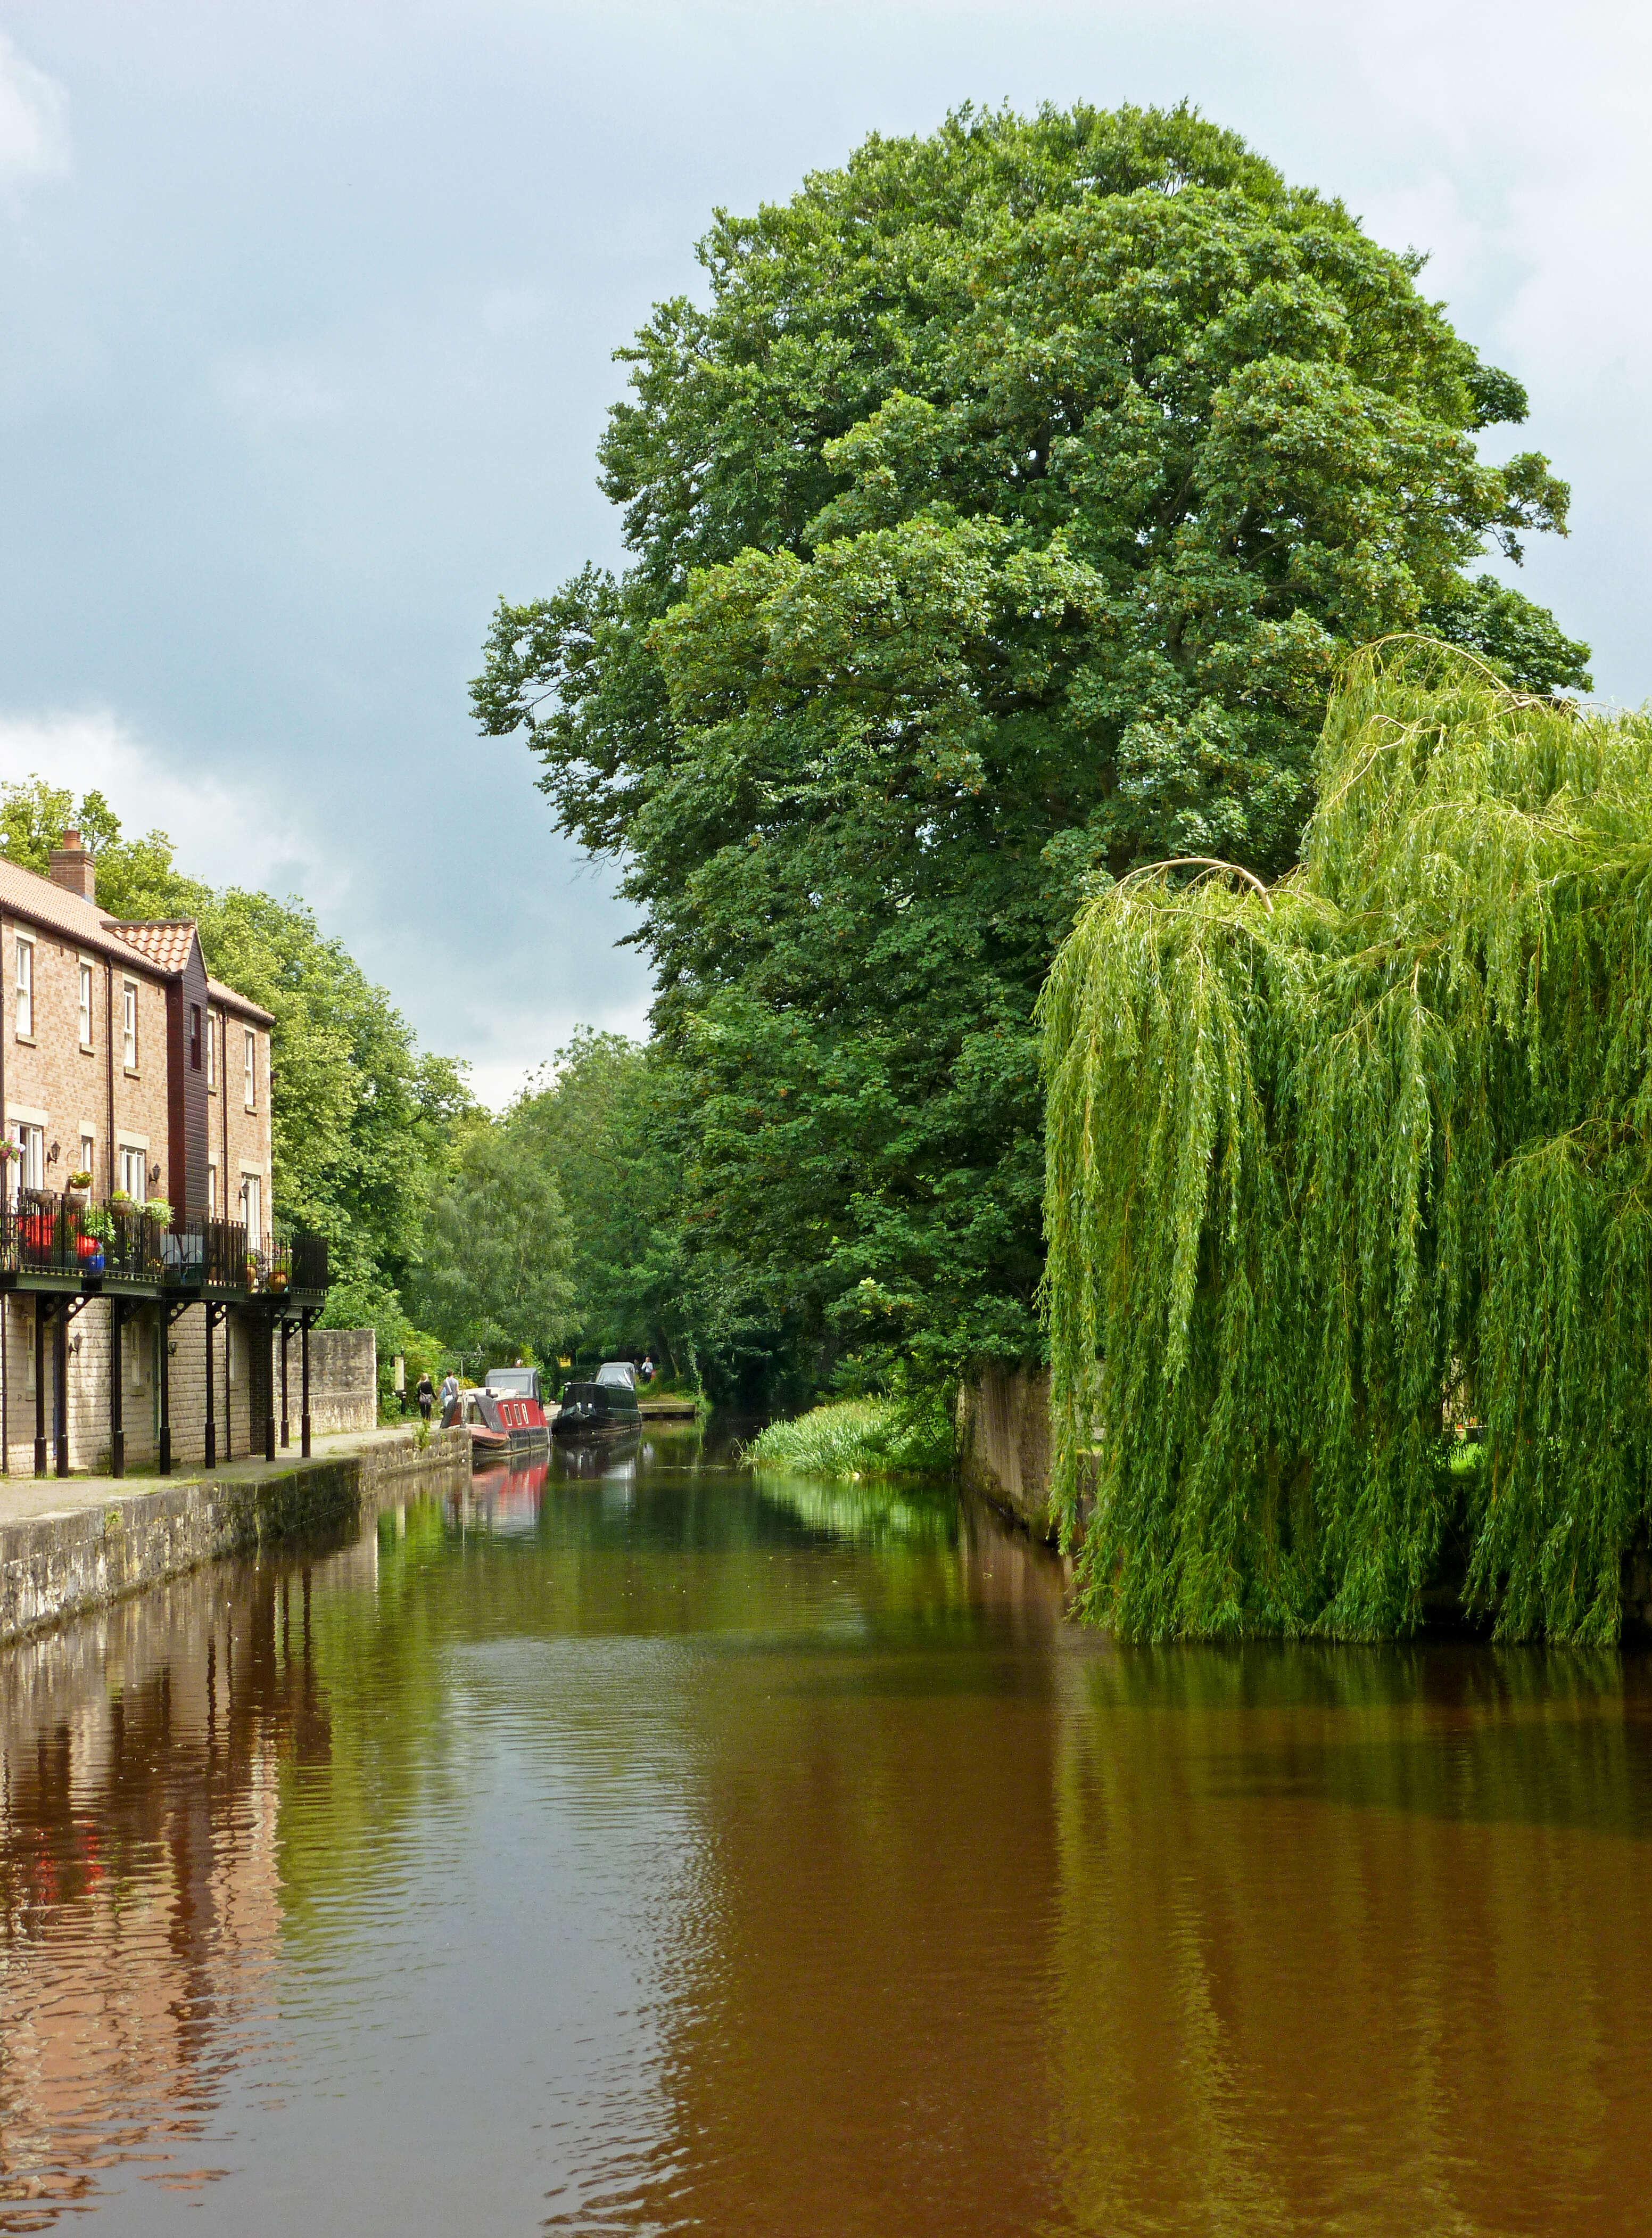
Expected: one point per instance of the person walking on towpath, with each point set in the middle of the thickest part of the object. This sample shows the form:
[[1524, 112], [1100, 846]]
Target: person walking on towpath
[[425, 1394], [450, 1399]]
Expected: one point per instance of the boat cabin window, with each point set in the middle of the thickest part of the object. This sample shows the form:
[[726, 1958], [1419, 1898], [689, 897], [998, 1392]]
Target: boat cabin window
[[519, 1382], [618, 1371]]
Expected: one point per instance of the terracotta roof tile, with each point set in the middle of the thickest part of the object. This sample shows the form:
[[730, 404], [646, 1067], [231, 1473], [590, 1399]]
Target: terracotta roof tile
[[166, 942]]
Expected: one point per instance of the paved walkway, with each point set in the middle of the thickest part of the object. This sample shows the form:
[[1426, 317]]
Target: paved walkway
[[24, 1499]]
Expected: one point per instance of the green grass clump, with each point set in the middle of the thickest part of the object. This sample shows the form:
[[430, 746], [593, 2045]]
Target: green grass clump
[[859, 1437]]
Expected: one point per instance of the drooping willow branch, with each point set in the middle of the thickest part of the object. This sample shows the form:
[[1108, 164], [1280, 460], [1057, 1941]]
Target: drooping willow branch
[[1329, 1161]]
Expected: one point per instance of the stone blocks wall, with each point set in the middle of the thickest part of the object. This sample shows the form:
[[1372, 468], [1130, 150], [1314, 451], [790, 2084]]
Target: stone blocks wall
[[344, 1380]]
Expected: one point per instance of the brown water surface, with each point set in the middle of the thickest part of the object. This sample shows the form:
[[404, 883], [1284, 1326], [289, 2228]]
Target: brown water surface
[[650, 1849]]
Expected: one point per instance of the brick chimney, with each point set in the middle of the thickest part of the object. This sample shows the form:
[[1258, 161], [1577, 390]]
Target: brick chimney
[[72, 867]]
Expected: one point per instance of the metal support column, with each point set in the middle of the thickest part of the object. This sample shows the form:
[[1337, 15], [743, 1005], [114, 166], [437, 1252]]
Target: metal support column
[[213, 1313], [116, 1398], [67, 1309], [269, 1390], [304, 1321], [42, 1315], [60, 1377], [286, 1331]]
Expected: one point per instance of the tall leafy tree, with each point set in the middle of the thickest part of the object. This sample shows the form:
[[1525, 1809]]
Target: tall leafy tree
[[997, 522]]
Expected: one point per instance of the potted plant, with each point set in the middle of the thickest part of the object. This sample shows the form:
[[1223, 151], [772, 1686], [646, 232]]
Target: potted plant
[[277, 1282], [157, 1209], [78, 1191], [96, 1229]]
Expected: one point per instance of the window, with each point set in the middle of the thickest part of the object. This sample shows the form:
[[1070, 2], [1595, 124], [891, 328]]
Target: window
[[212, 1189], [129, 1026], [135, 1176], [32, 1153], [85, 1005], [212, 1051], [194, 1037], [89, 1154], [252, 1192], [252, 1069], [25, 986]]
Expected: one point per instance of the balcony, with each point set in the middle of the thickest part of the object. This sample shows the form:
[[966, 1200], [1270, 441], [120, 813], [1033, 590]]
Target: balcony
[[46, 1242]]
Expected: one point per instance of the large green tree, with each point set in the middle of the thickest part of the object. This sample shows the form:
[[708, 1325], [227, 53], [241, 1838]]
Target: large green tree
[[997, 521]]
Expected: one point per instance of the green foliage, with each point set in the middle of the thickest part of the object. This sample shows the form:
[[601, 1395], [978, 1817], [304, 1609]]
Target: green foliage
[[363, 1121], [608, 1122], [860, 1437], [590, 1120], [1331, 1161], [999, 518], [496, 1280]]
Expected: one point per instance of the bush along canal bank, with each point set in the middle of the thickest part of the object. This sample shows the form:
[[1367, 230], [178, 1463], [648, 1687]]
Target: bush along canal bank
[[852, 1438], [101, 1538]]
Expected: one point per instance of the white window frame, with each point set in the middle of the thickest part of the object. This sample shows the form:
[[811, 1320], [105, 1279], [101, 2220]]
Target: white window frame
[[128, 1025], [30, 1135], [252, 1210], [127, 1153], [89, 1155], [86, 1040], [25, 973], [252, 1067]]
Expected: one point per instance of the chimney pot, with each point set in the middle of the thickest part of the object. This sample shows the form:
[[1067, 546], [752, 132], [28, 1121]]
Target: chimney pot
[[73, 868]]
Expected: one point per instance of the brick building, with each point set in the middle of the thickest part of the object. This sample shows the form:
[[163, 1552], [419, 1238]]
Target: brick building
[[131, 1079]]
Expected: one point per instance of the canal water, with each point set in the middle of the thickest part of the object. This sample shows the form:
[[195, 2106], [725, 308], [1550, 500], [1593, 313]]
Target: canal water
[[641, 1847]]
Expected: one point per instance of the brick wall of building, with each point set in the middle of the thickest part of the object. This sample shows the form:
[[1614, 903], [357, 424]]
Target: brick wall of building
[[55, 1082]]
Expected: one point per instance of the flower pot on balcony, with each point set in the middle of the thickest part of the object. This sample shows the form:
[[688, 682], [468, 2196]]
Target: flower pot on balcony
[[278, 1280], [77, 1199]]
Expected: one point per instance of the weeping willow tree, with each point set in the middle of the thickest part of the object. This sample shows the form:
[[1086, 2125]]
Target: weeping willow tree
[[1332, 1163]]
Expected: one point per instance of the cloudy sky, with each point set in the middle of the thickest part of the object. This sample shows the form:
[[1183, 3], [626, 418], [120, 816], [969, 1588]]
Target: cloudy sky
[[308, 321]]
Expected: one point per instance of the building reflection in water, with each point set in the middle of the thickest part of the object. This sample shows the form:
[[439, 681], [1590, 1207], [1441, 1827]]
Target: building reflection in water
[[139, 1893]]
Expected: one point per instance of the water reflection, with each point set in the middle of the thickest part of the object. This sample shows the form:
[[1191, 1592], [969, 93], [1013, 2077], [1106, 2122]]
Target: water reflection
[[633, 1845]]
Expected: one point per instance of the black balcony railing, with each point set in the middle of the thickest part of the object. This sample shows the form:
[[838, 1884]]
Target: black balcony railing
[[41, 1233]]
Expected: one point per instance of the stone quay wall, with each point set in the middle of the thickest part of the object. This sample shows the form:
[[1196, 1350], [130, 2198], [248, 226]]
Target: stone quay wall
[[1004, 1444], [58, 1565]]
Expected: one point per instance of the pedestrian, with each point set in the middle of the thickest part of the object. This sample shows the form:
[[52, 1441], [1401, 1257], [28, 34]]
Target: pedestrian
[[425, 1394], [648, 1367], [450, 1399]]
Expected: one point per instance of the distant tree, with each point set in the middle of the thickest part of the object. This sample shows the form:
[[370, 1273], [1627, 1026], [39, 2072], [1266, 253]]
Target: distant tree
[[998, 522], [497, 1274]]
